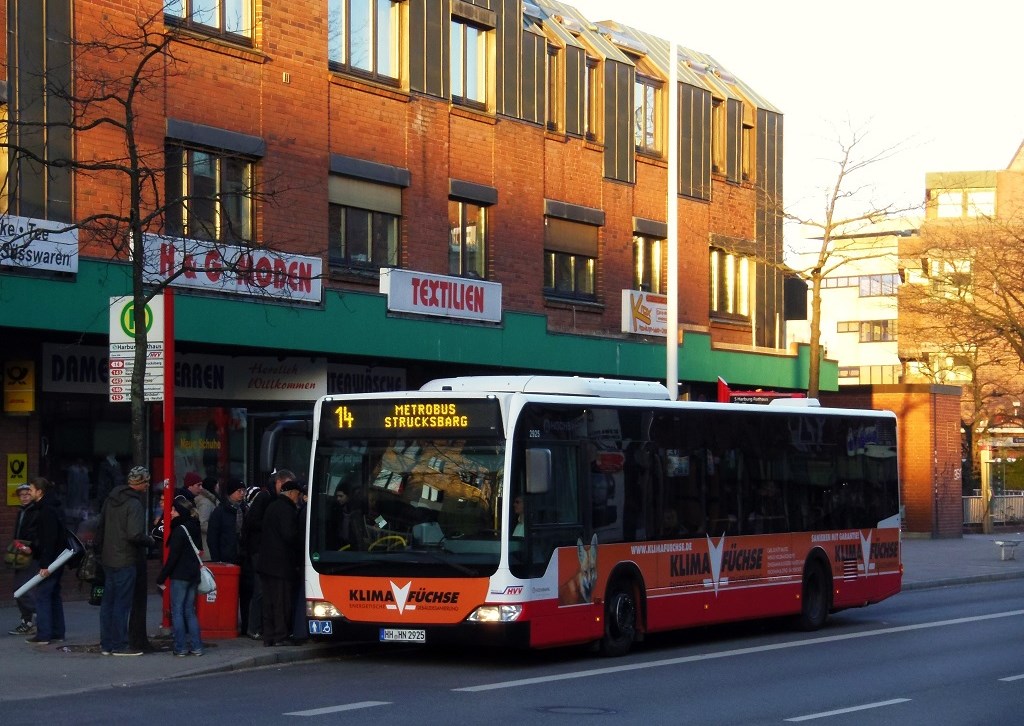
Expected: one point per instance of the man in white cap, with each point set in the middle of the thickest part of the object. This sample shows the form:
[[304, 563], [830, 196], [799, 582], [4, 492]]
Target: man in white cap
[[24, 530]]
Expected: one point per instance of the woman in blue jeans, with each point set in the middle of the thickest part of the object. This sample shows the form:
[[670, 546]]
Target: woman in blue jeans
[[182, 567]]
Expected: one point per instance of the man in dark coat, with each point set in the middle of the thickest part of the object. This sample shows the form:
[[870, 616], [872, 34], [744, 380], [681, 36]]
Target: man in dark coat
[[250, 594], [225, 526], [49, 541], [122, 542], [279, 561]]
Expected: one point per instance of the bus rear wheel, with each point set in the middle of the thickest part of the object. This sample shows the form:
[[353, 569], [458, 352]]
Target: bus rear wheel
[[620, 617], [814, 601]]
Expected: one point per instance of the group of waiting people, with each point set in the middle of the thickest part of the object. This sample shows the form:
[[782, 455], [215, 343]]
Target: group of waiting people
[[260, 531]]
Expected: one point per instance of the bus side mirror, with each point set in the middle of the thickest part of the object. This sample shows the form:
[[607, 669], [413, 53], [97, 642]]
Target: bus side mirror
[[538, 471]]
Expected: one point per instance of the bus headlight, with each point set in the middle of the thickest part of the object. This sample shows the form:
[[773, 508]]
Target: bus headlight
[[321, 609], [495, 614]]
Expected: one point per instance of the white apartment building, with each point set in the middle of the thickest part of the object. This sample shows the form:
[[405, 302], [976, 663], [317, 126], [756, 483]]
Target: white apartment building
[[859, 327]]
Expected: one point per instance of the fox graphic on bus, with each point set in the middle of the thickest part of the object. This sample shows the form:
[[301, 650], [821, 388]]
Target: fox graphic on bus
[[578, 588]]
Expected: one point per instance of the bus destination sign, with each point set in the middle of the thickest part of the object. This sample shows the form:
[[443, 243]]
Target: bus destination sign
[[459, 418]]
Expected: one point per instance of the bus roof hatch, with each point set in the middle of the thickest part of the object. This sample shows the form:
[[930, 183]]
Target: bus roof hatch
[[559, 385]]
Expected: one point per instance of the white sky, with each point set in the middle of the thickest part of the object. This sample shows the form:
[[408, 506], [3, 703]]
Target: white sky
[[941, 78]]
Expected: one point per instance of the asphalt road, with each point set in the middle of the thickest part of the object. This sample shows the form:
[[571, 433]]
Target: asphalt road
[[949, 656]]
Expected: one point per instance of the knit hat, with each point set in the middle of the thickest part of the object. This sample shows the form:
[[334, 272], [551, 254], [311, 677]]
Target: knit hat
[[183, 507], [191, 479], [251, 493], [231, 486], [292, 486], [138, 474]]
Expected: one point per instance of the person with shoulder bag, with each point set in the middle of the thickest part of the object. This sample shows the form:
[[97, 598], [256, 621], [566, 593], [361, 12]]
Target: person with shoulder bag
[[24, 531], [182, 568]]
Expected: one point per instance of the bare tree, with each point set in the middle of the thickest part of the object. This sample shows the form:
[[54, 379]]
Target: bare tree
[[849, 215], [963, 313], [109, 101], [106, 102]]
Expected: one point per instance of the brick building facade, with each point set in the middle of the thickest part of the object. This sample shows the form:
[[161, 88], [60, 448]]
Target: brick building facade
[[509, 143]]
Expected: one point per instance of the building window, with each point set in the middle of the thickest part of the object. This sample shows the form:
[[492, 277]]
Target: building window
[[719, 126], [568, 275], [877, 331], [467, 239], [645, 114], [209, 195], [555, 85], [362, 238], [730, 284], [363, 38], [878, 285], [841, 281], [363, 224], [230, 18], [570, 259], [981, 203], [950, 278], [749, 152], [647, 256], [848, 326], [591, 102], [468, 69], [950, 204]]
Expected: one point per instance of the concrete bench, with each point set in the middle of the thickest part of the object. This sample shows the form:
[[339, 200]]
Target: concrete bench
[[1007, 548]]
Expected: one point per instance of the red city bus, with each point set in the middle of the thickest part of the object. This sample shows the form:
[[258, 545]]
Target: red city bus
[[543, 511]]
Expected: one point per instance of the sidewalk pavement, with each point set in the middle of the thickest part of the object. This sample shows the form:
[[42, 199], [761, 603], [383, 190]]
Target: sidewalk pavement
[[33, 671]]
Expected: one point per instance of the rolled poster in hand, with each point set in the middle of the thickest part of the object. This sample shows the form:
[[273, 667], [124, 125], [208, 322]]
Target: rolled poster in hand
[[37, 578]]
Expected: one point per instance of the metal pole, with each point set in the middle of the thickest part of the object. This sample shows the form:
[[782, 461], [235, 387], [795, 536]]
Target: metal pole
[[986, 491], [672, 332], [169, 481]]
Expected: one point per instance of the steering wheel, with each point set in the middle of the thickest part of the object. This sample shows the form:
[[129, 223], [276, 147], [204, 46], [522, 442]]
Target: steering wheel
[[388, 542]]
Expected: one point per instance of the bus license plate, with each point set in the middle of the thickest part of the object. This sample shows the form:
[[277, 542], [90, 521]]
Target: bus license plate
[[402, 635]]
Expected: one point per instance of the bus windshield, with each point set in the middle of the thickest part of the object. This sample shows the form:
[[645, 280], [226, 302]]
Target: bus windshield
[[386, 505]]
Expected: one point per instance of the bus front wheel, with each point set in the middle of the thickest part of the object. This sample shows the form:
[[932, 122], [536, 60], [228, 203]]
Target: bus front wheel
[[814, 605], [620, 617]]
